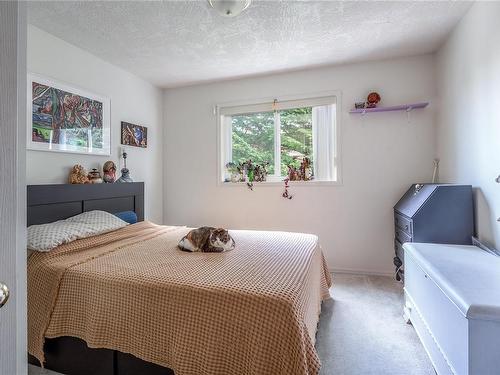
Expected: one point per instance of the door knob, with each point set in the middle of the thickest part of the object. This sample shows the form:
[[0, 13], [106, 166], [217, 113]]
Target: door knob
[[4, 294]]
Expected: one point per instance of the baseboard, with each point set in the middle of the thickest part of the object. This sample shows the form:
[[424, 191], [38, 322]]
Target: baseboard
[[360, 272]]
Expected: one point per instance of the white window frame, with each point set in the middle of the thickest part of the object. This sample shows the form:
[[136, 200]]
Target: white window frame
[[224, 144]]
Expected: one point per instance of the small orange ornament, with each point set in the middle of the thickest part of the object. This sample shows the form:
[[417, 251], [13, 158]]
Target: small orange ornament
[[372, 100]]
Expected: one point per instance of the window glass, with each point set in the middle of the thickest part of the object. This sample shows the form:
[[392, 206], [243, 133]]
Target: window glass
[[296, 137], [253, 138]]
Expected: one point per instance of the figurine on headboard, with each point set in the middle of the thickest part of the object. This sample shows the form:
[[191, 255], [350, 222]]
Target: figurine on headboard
[[125, 177], [78, 175], [94, 176], [109, 171]]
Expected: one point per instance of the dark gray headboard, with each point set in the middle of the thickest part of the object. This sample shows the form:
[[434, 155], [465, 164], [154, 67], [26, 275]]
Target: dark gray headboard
[[48, 203]]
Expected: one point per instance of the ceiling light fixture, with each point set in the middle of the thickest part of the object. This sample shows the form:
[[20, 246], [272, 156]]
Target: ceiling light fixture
[[229, 8]]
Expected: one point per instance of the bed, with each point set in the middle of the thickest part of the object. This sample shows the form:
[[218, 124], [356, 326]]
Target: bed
[[130, 302]]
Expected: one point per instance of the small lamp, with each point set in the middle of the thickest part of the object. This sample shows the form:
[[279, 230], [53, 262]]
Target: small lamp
[[125, 177]]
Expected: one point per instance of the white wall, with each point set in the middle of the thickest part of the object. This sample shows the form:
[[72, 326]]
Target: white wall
[[382, 155], [468, 80], [132, 99]]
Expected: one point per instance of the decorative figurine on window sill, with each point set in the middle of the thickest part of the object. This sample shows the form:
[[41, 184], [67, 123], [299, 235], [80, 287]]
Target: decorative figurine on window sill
[[109, 170], [125, 177], [305, 169], [234, 172], [302, 173]]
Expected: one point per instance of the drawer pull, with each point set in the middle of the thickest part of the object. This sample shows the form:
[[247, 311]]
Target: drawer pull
[[403, 223]]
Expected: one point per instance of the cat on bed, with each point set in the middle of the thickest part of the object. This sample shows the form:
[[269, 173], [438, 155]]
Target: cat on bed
[[207, 240]]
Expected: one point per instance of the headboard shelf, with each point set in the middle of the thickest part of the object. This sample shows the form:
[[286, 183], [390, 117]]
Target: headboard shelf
[[48, 203]]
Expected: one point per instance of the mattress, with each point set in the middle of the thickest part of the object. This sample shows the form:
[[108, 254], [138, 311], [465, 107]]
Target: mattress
[[253, 310]]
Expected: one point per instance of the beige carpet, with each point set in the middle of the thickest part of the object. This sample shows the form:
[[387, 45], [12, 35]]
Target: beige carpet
[[362, 332]]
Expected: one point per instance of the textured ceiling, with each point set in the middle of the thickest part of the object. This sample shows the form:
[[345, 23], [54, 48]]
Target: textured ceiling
[[177, 43]]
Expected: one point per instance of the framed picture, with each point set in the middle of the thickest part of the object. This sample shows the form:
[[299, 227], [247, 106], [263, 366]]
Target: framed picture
[[134, 135], [66, 119]]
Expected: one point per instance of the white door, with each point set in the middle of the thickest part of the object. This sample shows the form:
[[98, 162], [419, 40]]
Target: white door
[[13, 357]]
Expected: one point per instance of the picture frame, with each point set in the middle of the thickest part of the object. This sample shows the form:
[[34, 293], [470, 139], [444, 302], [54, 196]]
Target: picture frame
[[134, 135], [64, 118]]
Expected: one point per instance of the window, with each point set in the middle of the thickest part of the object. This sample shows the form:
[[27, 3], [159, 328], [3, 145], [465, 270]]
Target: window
[[282, 134]]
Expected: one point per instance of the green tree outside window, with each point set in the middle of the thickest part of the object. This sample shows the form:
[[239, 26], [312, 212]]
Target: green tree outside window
[[253, 138]]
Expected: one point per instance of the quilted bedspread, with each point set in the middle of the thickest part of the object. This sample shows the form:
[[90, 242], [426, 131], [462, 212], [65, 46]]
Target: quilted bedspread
[[253, 310]]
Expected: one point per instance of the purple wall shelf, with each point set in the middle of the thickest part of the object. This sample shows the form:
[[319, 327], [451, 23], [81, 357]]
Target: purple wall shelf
[[403, 107]]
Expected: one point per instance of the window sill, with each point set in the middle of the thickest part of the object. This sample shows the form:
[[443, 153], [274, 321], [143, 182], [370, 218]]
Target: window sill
[[281, 183]]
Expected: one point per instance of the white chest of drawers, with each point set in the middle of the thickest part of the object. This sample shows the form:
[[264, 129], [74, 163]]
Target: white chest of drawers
[[452, 297]]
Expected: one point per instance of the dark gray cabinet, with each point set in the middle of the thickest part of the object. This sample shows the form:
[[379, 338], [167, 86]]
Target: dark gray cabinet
[[433, 213]]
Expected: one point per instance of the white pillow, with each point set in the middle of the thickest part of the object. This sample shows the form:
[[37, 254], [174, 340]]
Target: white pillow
[[45, 237]]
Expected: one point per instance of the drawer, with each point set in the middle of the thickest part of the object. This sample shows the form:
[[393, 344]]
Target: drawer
[[447, 325], [398, 249], [402, 236], [402, 222]]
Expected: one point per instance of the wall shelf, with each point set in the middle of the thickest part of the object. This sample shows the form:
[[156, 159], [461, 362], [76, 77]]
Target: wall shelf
[[403, 107]]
